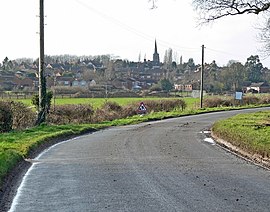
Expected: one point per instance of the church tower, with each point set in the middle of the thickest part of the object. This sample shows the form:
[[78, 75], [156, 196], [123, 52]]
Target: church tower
[[156, 61]]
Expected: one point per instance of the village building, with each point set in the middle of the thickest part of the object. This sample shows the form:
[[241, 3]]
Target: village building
[[261, 87]]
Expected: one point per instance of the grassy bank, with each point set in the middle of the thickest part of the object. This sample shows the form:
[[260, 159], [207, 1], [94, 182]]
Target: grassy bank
[[249, 132]]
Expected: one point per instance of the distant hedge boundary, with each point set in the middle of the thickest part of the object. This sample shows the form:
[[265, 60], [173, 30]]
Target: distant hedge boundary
[[211, 102], [17, 116]]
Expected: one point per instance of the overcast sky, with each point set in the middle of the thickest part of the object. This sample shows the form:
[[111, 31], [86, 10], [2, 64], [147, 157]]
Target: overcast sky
[[124, 28]]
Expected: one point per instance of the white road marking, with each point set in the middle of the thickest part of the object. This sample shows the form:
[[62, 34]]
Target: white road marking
[[210, 140]]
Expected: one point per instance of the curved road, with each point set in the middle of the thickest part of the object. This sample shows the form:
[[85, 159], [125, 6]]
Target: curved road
[[158, 166]]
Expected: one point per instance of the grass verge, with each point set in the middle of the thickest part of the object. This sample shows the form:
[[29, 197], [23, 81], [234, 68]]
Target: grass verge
[[249, 132]]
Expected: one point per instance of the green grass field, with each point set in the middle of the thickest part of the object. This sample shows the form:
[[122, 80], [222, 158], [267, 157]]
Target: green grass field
[[97, 102]]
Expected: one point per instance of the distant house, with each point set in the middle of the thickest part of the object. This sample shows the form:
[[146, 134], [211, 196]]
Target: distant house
[[64, 81], [7, 82], [28, 82], [92, 83], [78, 83], [182, 87], [120, 83], [261, 87]]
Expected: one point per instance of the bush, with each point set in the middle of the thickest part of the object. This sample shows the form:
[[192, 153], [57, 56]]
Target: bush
[[71, 114], [265, 99], [15, 115], [108, 112], [218, 102], [129, 110], [23, 117], [5, 117], [212, 102], [49, 96], [250, 100], [111, 106], [164, 105]]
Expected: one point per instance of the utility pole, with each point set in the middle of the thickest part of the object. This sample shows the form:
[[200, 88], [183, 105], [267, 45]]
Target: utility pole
[[201, 91], [42, 80]]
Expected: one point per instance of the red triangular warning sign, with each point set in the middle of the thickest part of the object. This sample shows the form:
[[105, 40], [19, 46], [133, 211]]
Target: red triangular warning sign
[[142, 108]]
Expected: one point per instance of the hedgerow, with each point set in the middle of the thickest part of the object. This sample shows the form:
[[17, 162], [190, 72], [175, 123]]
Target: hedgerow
[[5, 117], [15, 116], [165, 105], [71, 114], [211, 102]]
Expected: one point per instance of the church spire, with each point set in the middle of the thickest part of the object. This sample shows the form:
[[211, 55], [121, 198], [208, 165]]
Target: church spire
[[156, 61], [156, 46]]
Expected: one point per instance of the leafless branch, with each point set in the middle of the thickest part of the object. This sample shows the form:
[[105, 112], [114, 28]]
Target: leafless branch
[[154, 6], [211, 10]]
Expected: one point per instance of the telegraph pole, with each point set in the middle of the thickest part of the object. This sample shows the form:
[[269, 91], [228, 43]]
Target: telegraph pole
[[201, 91], [42, 80]]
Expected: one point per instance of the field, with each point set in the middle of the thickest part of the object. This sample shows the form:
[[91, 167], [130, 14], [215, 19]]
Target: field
[[97, 102]]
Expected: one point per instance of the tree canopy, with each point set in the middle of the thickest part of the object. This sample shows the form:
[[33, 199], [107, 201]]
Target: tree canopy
[[210, 10]]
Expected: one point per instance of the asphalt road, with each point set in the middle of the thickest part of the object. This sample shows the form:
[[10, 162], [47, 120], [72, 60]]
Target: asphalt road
[[158, 166]]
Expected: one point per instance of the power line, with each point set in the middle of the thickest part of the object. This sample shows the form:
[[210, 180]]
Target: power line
[[148, 37], [135, 31], [224, 52]]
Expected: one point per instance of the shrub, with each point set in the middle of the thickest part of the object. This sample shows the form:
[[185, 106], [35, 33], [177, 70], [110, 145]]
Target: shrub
[[129, 110], [15, 115], [49, 96], [23, 117], [212, 102], [265, 99], [111, 106], [250, 100], [71, 114], [164, 105], [218, 102], [108, 112], [5, 117], [105, 115]]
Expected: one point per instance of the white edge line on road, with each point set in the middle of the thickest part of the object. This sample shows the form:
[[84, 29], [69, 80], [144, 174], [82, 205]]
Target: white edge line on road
[[19, 190]]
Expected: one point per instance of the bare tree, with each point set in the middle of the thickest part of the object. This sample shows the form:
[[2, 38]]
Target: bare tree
[[210, 10], [264, 37], [153, 3]]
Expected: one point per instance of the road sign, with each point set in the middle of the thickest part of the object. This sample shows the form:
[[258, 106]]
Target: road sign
[[142, 109], [239, 95]]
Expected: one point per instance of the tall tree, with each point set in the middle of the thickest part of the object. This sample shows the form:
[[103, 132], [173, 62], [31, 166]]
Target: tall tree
[[168, 58], [7, 64], [254, 69], [233, 76], [165, 85]]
